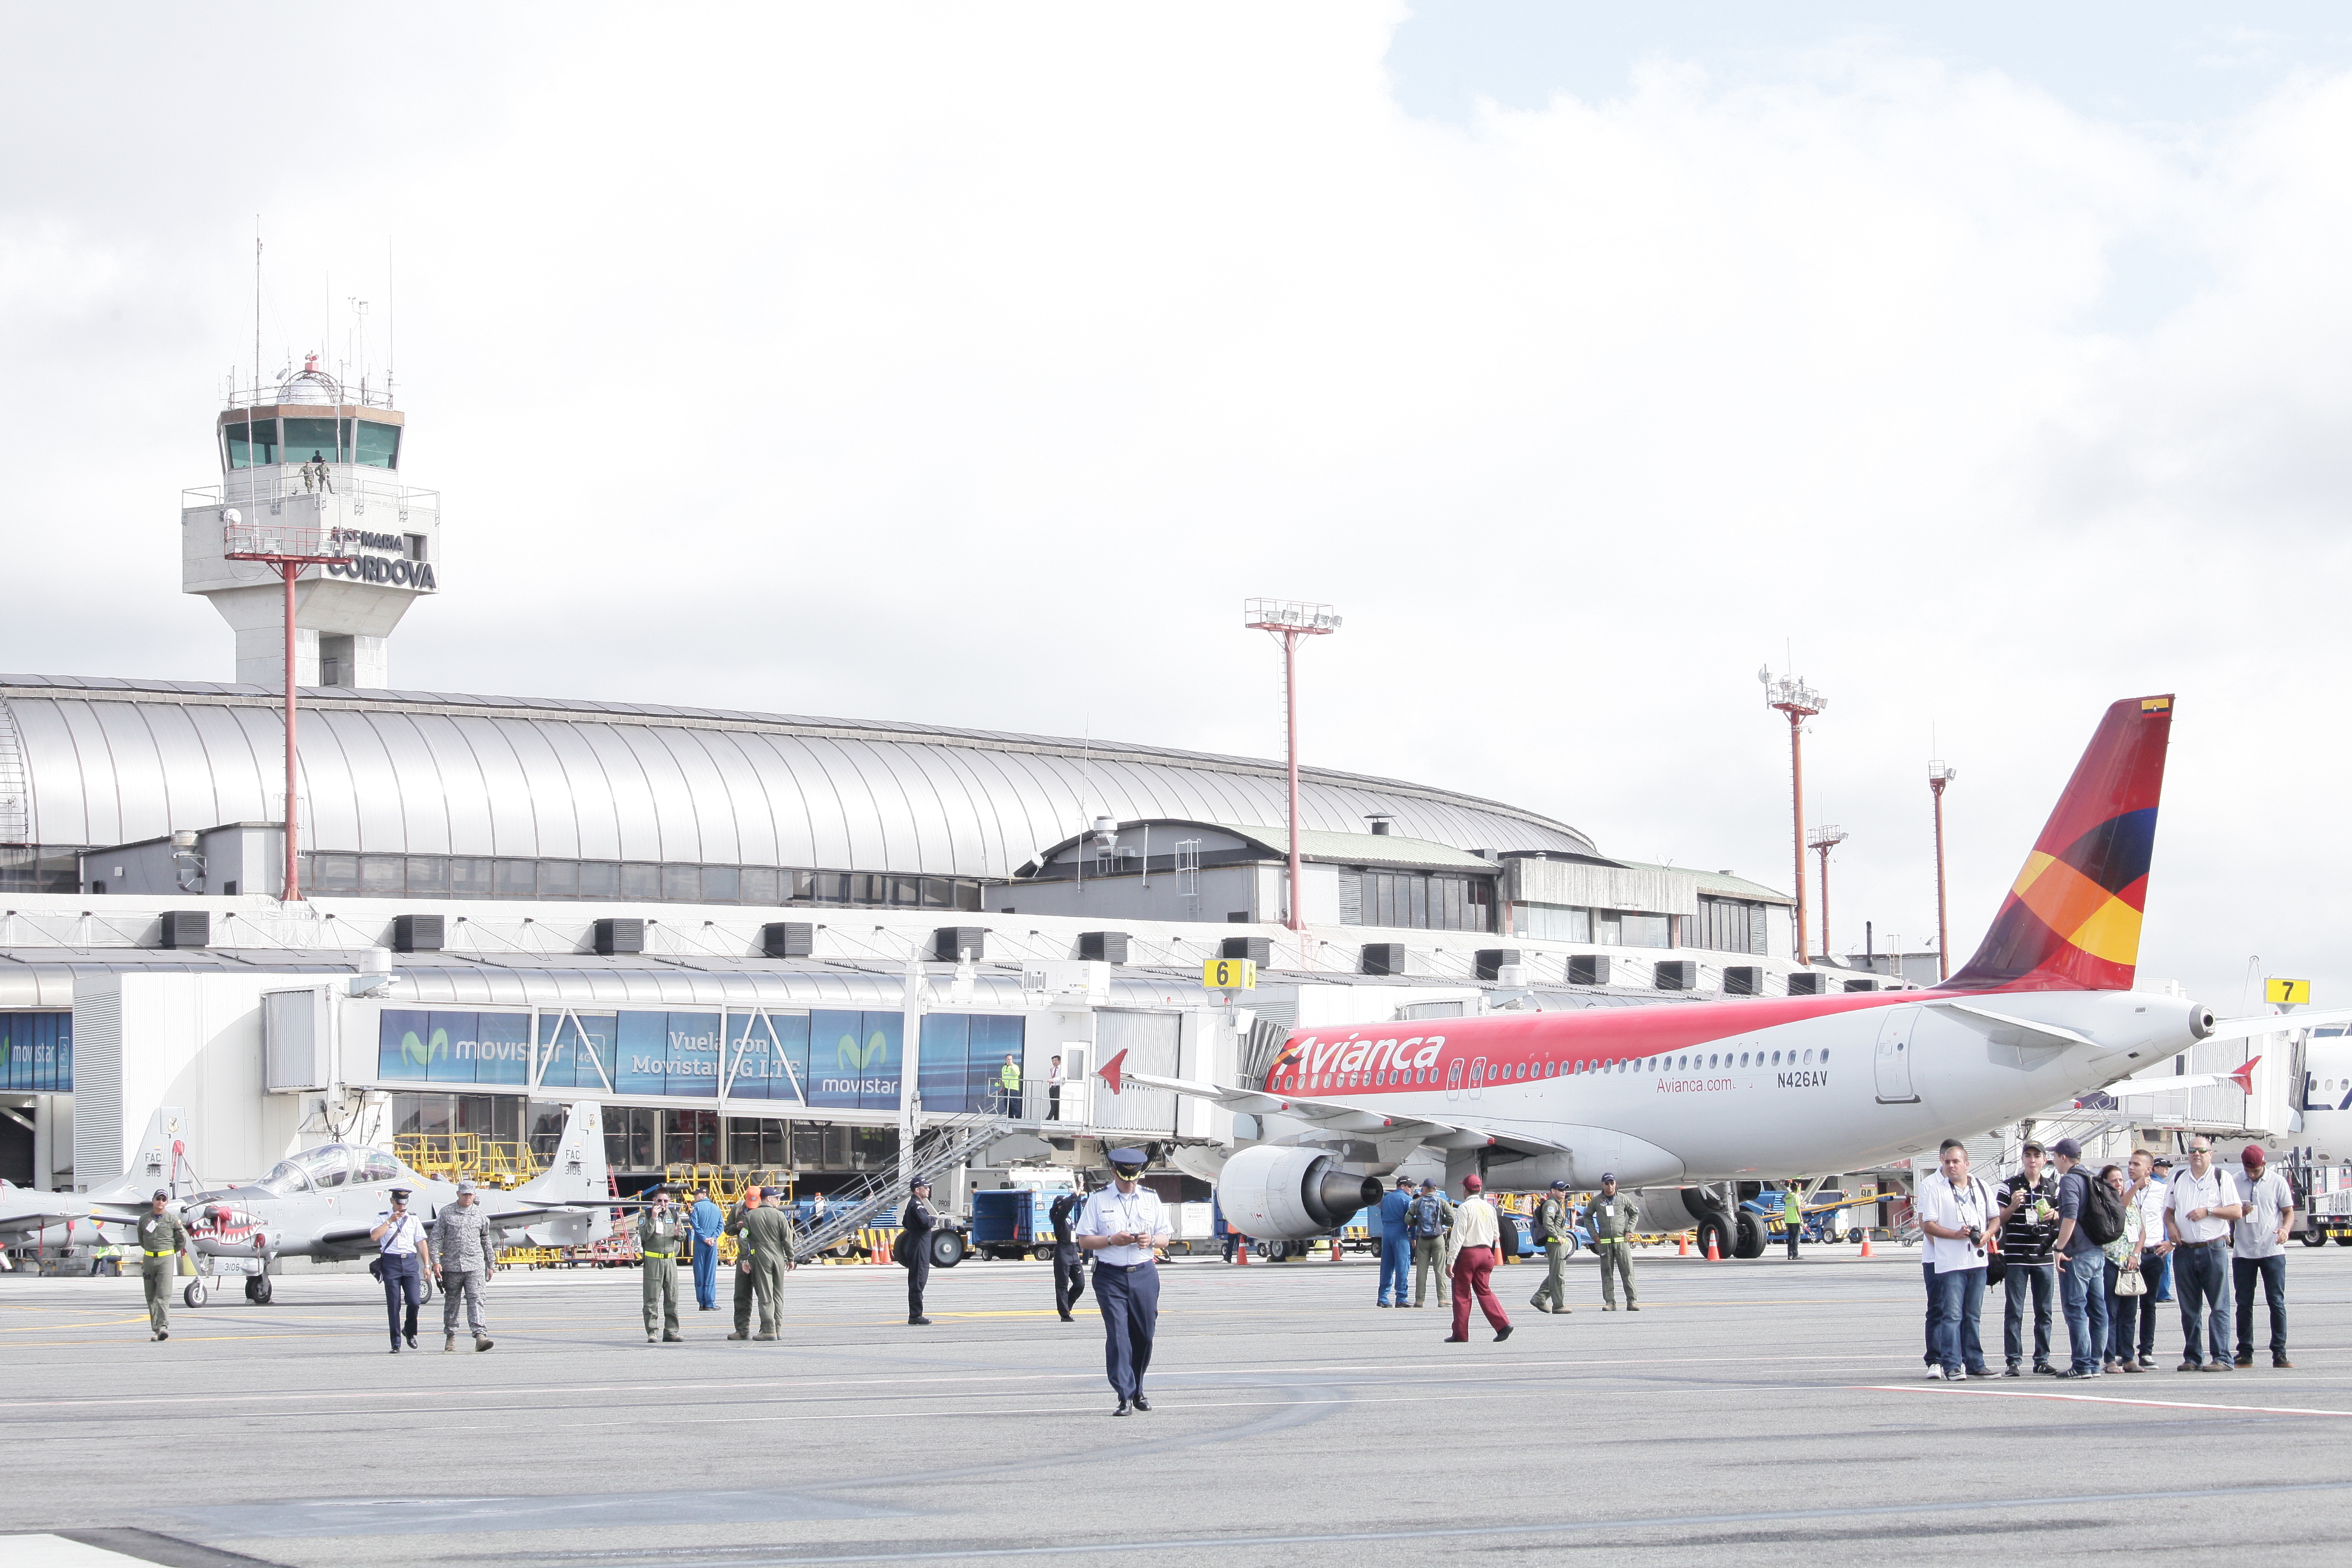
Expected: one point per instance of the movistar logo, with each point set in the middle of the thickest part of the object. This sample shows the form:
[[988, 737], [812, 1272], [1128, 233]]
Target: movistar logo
[[422, 1052], [849, 1056]]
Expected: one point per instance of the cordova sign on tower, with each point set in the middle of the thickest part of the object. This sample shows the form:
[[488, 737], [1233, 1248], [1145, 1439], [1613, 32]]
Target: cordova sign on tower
[[312, 454]]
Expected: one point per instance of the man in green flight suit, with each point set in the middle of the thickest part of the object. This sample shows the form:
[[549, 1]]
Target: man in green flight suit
[[162, 1239], [734, 1228], [1612, 1217], [765, 1244], [659, 1229], [1554, 1228]]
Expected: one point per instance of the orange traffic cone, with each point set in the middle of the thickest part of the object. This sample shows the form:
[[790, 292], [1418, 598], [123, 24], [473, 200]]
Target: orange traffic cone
[[1681, 1244], [1241, 1251], [1865, 1244], [1335, 1249], [1711, 1255]]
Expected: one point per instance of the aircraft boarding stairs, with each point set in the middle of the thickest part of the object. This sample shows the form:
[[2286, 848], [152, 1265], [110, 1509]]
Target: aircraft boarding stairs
[[880, 1198]]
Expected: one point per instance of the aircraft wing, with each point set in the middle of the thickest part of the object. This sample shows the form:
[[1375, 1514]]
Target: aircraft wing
[[1329, 1115], [2047, 1031], [351, 1237]]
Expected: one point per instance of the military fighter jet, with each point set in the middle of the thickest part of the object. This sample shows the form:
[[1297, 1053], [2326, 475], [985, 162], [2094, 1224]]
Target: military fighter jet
[[322, 1202]]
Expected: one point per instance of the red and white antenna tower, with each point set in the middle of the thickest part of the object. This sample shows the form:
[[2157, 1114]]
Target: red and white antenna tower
[[1800, 702], [1287, 620], [1939, 774], [288, 552], [1825, 839]]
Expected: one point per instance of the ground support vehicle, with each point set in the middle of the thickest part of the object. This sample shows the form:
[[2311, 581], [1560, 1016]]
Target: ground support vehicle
[[1012, 1223]]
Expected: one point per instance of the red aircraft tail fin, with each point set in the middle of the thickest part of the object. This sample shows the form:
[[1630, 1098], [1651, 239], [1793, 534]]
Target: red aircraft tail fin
[[2071, 921]]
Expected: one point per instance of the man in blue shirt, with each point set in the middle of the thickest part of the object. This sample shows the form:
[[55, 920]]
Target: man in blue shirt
[[707, 1219], [1396, 1246]]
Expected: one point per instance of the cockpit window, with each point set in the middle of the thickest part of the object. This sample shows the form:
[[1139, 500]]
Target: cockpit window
[[284, 1179], [379, 1167], [327, 1165]]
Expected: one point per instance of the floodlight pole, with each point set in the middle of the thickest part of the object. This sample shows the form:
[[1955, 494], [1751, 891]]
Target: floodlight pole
[[1289, 620], [1823, 840], [1941, 773], [288, 552], [1799, 702]]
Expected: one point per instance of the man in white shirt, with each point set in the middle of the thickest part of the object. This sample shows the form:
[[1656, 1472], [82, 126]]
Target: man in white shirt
[[2259, 1243], [399, 1236], [2150, 1194], [2197, 1212], [1955, 1210], [1121, 1224], [1470, 1252]]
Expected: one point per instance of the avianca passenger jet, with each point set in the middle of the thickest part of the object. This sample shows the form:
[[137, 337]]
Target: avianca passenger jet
[[1677, 1096]]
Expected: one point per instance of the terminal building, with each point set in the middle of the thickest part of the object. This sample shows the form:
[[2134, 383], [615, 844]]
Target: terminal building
[[765, 940]]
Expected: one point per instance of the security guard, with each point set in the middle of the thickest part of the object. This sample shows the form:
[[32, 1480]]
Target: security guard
[[1121, 1224], [162, 1239], [1069, 1263], [743, 1288], [659, 1230], [1612, 1217], [767, 1235], [914, 1247], [1555, 1224], [399, 1236]]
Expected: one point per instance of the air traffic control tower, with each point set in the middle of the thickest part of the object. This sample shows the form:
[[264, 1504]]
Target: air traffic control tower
[[309, 453]]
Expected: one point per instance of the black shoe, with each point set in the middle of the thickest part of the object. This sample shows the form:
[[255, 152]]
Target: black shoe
[[2043, 1369], [412, 1341], [919, 1322], [1457, 1339], [2245, 1358], [1502, 1333], [1380, 1303], [1980, 1372], [395, 1347], [1067, 1319], [2281, 1363], [2071, 1373], [1124, 1407], [2012, 1371], [1140, 1403], [166, 1333]]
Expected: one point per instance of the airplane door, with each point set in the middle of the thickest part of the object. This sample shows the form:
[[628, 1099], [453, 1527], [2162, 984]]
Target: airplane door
[[1454, 1079], [1892, 1061], [1477, 1076]]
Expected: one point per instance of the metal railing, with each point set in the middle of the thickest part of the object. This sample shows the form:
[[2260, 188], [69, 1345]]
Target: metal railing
[[946, 1143], [283, 481]]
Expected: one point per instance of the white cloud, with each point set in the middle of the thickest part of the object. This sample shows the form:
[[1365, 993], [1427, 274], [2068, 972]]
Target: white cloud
[[972, 365]]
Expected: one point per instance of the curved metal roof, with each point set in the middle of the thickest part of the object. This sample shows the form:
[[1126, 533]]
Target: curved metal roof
[[114, 761]]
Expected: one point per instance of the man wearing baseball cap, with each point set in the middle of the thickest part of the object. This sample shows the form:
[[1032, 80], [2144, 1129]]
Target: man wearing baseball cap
[[1396, 1245], [162, 1239], [1470, 1250], [1611, 1216], [1555, 1228], [2258, 1251], [2081, 1265], [462, 1251]]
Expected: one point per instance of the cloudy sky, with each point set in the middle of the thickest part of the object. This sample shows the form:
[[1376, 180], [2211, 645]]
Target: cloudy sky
[[972, 364]]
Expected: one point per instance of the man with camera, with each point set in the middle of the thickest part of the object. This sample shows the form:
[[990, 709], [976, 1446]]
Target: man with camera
[[1954, 1208], [2029, 1228]]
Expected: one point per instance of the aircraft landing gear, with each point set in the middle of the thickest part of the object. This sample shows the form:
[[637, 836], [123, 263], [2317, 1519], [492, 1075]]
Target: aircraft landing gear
[[256, 1290], [1716, 1228], [1752, 1238], [195, 1294]]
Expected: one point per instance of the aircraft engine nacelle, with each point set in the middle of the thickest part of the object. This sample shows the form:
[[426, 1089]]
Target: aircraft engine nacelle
[[1666, 1210], [1276, 1194]]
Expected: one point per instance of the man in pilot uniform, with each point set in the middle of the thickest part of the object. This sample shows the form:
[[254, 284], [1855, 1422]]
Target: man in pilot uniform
[[659, 1234], [1121, 1224], [1612, 1217], [162, 1239], [399, 1236]]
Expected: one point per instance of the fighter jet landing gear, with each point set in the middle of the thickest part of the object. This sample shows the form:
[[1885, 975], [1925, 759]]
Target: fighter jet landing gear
[[256, 1290], [196, 1295]]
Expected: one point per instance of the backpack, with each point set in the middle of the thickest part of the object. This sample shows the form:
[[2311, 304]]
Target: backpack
[[1426, 1218], [1542, 1223], [2102, 1216]]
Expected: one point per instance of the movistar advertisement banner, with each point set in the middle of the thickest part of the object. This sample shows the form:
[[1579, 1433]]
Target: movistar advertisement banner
[[837, 1060], [437, 1047], [36, 1053]]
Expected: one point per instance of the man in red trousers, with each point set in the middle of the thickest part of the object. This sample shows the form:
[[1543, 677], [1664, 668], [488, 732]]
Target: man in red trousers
[[1470, 1258]]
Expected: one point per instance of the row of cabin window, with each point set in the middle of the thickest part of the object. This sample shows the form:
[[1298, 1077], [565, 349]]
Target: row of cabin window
[[1695, 1062]]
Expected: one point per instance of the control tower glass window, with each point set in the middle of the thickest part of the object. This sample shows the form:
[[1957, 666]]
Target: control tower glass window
[[250, 445], [319, 441], [379, 445]]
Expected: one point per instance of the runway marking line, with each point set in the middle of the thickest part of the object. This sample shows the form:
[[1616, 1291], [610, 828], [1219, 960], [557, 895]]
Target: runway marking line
[[2104, 1399]]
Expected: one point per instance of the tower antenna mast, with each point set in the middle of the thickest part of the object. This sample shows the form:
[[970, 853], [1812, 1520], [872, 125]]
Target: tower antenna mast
[[1941, 773], [1287, 620], [1825, 839]]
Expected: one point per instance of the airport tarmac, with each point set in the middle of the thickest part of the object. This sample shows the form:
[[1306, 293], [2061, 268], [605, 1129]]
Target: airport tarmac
[[1755, 1411]]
